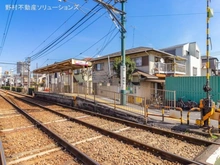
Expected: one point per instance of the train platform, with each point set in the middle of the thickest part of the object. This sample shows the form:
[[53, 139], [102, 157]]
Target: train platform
[[171, 118], [208, 157]]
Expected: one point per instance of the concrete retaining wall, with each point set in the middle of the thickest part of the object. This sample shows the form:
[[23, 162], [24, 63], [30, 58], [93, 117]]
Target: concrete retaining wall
[[89, 105]]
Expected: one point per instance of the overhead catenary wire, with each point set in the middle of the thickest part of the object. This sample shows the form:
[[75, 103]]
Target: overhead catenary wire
[[167, 15], [62, 37], [105, 36], [103, 47], [7, 27], [76, 35], [110, 32], [107, 39], [106, 44], [91, 11], [54, 31]]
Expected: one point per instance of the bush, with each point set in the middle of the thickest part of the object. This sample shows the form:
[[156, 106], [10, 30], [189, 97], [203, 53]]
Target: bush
[[6, 87], [19, 89], [30, 91], [13, 88]]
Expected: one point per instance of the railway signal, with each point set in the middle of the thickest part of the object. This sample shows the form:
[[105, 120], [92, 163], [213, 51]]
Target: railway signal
[[207, 103]]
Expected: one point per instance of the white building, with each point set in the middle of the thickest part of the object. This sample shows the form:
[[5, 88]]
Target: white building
[[191, 52], [0, 72]]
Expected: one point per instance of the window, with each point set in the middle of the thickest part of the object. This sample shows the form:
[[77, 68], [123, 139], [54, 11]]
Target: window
[[145, 61], [141, 61], [197, 54], [111, 65], [99, 66], [77, 71], [194, 71], [138, 61]]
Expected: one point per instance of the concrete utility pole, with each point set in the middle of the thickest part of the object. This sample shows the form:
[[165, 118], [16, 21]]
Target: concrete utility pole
[[29, 73], [207, 103], [111, 11], [123, 66]]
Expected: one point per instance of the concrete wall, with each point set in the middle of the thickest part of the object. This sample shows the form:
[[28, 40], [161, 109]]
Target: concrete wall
[[143, 90], [89, 106]]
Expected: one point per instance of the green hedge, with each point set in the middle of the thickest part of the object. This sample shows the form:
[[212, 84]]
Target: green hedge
[[13, 88], [6, 87], [19, 89], [30, 91]]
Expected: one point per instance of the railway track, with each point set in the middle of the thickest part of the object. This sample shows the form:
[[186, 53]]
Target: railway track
[[25, 144], [172, 146]]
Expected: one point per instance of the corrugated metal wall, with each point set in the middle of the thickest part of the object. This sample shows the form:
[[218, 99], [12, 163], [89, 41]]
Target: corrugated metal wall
[[191, 88]]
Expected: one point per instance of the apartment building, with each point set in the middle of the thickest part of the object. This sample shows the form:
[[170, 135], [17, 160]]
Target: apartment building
[[152, 66], [191, 52]]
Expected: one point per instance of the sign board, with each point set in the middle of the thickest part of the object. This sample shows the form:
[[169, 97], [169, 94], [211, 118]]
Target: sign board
[[79, 62], [123, 77]]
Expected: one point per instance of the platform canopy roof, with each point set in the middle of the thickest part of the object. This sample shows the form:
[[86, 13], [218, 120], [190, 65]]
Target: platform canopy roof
[[63, 66]]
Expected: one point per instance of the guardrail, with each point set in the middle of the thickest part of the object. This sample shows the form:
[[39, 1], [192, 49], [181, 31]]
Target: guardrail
[[162, 111], [192, 109]]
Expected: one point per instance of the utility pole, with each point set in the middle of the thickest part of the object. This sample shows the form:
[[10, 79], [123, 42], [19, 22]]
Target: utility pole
[[29, 73], [123, 66], [207, 102], [37, 76], [111, 11]]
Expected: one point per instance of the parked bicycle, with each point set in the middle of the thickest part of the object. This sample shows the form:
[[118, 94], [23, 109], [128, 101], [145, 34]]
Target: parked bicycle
[[156, 99], [186, 105]]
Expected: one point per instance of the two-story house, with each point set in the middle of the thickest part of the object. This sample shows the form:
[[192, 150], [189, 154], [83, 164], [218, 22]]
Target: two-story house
[[191, 52], [213, 66], [152, 66]]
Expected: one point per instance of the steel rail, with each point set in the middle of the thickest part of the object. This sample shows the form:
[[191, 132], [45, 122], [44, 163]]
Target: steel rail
[[68, 146], [2, 154], [141, 126], [164, 154], [146, 128]]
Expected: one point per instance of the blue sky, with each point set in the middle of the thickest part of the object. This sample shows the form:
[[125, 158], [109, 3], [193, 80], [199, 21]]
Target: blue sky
[[150, 23]]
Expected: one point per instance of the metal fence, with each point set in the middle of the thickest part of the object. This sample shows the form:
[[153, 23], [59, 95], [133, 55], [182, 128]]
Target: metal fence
[[160, 97], [134, 104]]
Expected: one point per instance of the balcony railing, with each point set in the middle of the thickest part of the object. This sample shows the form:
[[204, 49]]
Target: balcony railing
[[169, 68]]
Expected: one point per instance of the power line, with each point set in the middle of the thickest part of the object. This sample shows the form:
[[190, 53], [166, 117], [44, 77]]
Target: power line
[[96, 43], [167, 15], [54, 31], [107, 39], [7, 26], [63, 36], [105, 46], [108, 42], [74, 35]]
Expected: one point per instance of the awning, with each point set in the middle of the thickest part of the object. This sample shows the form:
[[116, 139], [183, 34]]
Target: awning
[[66, 65], [139, 73], [157, 81]]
